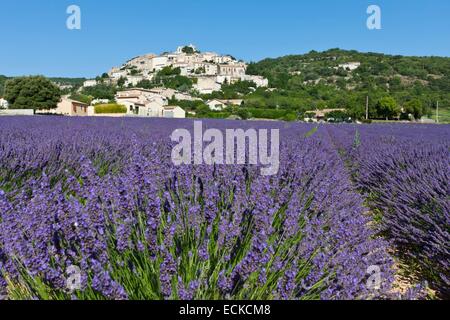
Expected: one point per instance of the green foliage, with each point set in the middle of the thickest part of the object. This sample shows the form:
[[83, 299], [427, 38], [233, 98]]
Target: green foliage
[[337, 115], [121, 81], [146, 84], [170, 78], [168, 71], [314, 81], [387, 107], [267, 113], [75, 82], [81, 97], [243, 113], [179, 83], [188, 50], [34, 92], [415, 108], [100, 91], [3, 80], [189, 105], [110, 108]]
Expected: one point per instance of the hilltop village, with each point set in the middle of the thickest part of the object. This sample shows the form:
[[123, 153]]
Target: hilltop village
[[208, 72]]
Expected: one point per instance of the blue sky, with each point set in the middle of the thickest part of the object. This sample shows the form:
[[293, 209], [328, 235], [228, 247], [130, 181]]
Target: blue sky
[[34, 38]]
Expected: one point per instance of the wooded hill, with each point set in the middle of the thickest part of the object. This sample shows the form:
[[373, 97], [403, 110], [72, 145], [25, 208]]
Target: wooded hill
[[315, 80]]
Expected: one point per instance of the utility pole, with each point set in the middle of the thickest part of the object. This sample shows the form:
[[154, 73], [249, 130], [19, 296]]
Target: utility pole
[[367, 108], [437, 112]]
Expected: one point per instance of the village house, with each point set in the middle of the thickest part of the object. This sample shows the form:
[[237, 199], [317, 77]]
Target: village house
[[90, 83], [350, 66], [68, 107], [133, 80], [150, 103], [174, 112], [141, 101], [258, 80], [3, 104], [319, 115], [232, 70], [207, 85], [219, 104], [173, 94]]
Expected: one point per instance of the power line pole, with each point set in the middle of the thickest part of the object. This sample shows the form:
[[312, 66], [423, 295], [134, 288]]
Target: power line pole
[[367, 108], [437, 112]]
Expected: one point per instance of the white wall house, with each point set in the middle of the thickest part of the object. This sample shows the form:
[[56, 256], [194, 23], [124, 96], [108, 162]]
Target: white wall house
[[142, 102], [158, 63], [219, 105], [116, 75], [90, 83], [68, 107], [234, 70], [216, 105], [207, 85], [174, 112], [3, 104], [133, 80], [258, 80], [350, 66]]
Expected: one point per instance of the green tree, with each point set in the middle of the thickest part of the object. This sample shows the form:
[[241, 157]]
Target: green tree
[[121, 81], [387, 107], [188, 50], [34, 92], [100, 91], [415, 107], [243, 113]]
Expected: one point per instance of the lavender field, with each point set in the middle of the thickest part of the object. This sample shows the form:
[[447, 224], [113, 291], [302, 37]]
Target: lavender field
[[351, 210]]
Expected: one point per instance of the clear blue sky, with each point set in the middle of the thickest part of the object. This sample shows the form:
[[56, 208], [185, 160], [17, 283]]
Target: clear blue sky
[[34, 38]]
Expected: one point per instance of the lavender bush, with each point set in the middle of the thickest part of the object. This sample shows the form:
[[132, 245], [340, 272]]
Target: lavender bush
[[404, 172], [103, 195]]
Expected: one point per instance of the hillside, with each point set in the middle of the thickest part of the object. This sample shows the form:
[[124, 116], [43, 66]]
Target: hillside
[[339, 78], [316, 80]]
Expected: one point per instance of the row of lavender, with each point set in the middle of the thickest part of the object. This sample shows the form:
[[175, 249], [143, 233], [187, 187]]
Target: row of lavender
[[101, 197], [404, 171]]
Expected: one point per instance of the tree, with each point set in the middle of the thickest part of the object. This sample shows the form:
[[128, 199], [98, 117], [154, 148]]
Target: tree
[[337, 115], [100, 91], [415, 108], [387, 107], [189, 50], [34, 92], [243, 113], [121, 81]]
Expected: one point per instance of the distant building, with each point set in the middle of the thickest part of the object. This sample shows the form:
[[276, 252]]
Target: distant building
[[68, 107], [207, 85], [258, 80], [173, 94], [90, 83], [318, 115], [233, 70], [174, 112], [210, 68], [351, 66], [219, 105], [142, 102], [3, 104], [99, 101]]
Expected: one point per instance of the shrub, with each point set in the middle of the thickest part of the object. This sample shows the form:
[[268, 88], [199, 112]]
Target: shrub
[[110, 108]]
